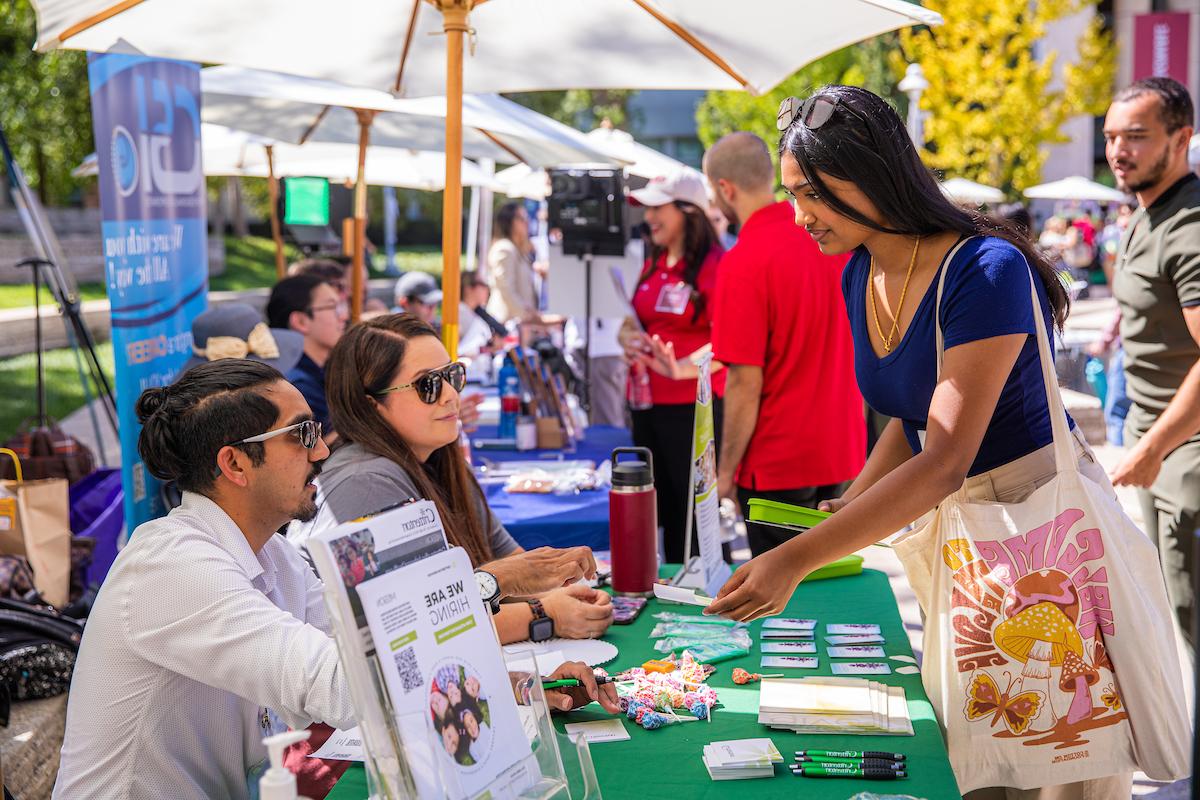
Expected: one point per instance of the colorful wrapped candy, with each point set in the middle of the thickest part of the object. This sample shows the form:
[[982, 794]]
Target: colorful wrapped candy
[[650, 697]]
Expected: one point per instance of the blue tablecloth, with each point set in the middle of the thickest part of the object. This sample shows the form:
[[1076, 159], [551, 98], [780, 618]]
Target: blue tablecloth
[[537, 520]]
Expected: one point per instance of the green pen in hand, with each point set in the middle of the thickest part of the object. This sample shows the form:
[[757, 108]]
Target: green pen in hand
[[568, 683]]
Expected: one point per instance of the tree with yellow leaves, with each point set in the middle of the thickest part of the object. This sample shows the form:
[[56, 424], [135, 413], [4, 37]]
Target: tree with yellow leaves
[[992, 102]]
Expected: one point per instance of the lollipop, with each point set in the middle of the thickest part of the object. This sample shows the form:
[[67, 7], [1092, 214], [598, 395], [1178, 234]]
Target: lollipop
[[741, 677]]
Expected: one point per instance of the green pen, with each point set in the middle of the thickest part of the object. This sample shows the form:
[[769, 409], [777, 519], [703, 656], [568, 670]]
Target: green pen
[[567, 683], [850, 762], [869, 773], [853, 754]]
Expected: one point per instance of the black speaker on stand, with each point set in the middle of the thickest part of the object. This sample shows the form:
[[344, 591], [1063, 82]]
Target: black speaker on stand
[[588, 206]]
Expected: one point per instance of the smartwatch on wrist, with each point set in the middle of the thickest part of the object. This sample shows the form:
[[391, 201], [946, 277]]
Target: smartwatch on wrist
[[541, 627], [489, 589]]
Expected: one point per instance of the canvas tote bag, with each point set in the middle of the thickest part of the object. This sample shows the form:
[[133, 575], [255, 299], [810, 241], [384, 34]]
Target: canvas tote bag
[[1050, 655]]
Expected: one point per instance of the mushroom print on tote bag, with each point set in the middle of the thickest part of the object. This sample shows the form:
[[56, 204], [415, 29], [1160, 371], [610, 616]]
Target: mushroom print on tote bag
[[1034, 644]]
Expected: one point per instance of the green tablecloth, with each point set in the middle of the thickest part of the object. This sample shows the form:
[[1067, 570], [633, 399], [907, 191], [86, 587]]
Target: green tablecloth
[[666, 762]]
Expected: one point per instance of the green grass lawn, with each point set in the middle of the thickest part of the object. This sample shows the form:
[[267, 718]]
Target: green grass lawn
[[64, 392], [20, 295]]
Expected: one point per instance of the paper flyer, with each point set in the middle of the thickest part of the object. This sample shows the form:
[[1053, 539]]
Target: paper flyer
[[446, 678], [704, 484]]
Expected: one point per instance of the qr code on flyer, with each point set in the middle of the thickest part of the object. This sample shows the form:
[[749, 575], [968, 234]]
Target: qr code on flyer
[[410, 673]]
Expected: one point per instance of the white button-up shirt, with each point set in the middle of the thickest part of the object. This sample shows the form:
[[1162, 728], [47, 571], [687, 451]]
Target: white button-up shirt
[[192, 639]]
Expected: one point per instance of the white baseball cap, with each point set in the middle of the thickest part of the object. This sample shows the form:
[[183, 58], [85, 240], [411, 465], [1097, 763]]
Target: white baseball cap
[[684, 184]]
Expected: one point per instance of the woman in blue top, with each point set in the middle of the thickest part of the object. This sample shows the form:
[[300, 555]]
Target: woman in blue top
[[859, 186]]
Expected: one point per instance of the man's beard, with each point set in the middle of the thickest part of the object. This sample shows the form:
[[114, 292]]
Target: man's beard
[[730, 215], [307, 510], [1153, 176]]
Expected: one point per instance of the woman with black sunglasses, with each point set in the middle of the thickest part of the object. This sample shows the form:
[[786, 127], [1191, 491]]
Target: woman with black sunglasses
[[983, 423], [394, 394]]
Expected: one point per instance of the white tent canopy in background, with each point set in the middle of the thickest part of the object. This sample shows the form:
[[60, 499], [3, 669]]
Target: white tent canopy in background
[[1076, 188], [966, 191], [228, 152], [294, 109], [520, 45], [646, 162]]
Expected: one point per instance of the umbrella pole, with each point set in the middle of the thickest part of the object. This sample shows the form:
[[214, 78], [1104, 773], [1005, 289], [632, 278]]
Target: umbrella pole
[[360, 215], [276, 232], [454, 23]]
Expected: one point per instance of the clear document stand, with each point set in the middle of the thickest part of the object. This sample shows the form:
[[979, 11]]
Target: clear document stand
[[402, 754]]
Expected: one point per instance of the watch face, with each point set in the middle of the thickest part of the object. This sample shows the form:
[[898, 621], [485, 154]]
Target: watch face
[[487, 585], [541, 629]]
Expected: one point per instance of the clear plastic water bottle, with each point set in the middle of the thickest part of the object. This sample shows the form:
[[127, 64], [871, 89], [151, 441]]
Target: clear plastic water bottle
[[637, 389], [510, 400]]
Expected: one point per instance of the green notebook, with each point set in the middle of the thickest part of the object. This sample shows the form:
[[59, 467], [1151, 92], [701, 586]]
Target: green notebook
[[799, 518]]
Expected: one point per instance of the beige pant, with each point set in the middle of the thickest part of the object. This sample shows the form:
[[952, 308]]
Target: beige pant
[[1012, 483]]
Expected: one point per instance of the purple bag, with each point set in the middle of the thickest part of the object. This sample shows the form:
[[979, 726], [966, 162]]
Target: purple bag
[[97, 512]]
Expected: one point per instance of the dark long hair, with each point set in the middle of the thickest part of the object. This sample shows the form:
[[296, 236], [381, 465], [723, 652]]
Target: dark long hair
[[363, 363], [699, 238], [865, 142]]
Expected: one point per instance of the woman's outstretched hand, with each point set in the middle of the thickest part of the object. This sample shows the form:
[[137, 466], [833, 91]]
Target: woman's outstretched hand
[[761, 587]]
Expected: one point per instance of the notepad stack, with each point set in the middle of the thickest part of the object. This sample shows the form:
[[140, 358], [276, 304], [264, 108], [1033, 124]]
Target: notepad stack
[[834, 705], [737, 759]]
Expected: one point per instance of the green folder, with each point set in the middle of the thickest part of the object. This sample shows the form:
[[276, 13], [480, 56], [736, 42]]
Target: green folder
[[799, 518]]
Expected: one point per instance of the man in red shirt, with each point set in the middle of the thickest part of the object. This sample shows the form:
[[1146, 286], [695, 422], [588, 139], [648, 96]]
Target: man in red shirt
[[794, 429]]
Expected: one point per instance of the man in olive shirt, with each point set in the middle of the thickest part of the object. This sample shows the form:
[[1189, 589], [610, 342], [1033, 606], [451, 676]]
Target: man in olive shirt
[[1157, 285]]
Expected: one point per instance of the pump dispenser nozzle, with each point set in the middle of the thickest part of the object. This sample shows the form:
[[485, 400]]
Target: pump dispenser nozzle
[[279, 783]]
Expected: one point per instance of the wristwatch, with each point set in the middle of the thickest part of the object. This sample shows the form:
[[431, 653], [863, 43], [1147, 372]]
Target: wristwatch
[[489, 589], [541, 627]]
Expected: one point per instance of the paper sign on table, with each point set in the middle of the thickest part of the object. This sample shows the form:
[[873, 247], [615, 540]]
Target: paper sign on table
[[792, 662], [789, 647], [855, 628], [679, 594], [601, 730], [861, 668], [856, 651], [341, 746]]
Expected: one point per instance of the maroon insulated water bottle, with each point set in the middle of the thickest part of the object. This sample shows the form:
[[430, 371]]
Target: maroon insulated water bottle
[[633, 524]]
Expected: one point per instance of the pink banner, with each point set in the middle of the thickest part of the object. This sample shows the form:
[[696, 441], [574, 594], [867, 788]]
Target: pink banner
[[1160, 46]]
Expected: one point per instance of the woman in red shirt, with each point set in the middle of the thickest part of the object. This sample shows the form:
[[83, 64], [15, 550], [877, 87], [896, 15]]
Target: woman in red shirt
[[673, 301]]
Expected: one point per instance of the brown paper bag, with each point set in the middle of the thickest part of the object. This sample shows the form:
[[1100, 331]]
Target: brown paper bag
[[35, 523]]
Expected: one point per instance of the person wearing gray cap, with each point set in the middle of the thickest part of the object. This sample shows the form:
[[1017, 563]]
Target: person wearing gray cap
[[236, 330], [418, 294]]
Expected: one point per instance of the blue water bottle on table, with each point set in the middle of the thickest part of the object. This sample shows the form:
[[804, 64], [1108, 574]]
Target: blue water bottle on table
[[509, 386]]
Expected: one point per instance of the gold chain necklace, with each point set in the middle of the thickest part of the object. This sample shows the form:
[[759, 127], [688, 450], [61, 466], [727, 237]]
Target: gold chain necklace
[[887, 340]]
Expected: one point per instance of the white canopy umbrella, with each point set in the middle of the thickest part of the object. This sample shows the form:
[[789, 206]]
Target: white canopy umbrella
[[645, 162], [231, 153], [290, 108], [299, 109], [515, 45], [1076, 187], [522, 180], [966, 191]]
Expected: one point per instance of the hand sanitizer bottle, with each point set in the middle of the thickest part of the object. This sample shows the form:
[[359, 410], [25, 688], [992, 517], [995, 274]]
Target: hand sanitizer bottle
[[279, 783]]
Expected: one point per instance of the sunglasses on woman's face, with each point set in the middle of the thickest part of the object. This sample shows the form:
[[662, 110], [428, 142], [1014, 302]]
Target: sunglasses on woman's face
[[812, 113], [429, 385]]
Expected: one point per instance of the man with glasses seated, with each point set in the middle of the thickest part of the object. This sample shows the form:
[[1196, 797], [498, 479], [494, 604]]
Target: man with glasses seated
[[313, 308], [210, 631]]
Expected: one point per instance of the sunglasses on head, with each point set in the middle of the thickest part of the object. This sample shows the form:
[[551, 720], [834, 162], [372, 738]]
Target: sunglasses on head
[[429, 385], [812, 113]]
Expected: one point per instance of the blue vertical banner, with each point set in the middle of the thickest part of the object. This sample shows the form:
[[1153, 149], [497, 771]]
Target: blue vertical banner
[[146, 118]]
